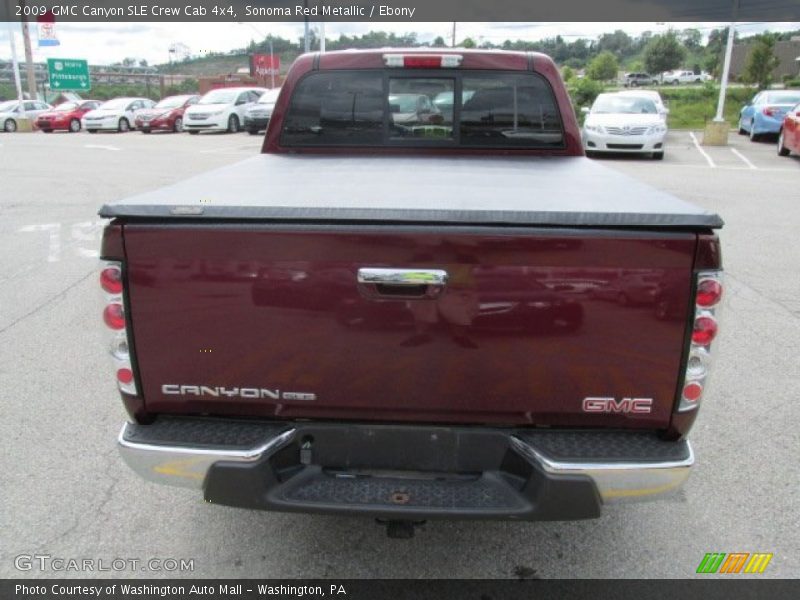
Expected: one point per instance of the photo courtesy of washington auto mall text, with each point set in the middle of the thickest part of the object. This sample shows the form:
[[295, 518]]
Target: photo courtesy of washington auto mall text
[[404, 299]]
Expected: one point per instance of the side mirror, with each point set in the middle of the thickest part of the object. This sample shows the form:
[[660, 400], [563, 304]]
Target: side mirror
[[585, 110]]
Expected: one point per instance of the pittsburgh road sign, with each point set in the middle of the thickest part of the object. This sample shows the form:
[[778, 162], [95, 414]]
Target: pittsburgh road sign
[[68, 74]]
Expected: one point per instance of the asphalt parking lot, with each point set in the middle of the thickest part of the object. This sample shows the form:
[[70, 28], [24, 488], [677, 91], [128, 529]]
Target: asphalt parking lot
[[66, 492]]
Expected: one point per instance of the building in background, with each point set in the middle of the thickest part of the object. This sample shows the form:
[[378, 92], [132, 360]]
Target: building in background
[[788, 53]]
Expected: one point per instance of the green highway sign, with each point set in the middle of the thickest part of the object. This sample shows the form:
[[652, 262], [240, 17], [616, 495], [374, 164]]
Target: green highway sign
[[68, 74]]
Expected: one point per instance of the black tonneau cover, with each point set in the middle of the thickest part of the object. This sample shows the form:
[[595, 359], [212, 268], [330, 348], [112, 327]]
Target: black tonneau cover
[[555, 191]]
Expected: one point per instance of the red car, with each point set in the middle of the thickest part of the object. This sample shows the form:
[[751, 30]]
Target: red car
[[789, 136], [66, 115], [167, 115]]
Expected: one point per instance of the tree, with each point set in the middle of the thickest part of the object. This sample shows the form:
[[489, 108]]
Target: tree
[[619, 42], [468, 43], [691, 38], [584, 91], [567, 73], [603, 67], [439, 42], [663, 53], [761, 61]]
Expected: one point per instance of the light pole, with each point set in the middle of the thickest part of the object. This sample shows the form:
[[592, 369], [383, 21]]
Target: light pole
[[271, 65], [726, 67], [306, 41], [15, 66], [716, 130]]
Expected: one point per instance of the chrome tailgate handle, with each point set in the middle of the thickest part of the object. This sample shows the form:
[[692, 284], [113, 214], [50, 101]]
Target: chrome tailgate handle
[[381, 283]]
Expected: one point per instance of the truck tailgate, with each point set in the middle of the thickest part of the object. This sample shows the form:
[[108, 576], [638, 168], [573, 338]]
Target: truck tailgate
[[271, 319]]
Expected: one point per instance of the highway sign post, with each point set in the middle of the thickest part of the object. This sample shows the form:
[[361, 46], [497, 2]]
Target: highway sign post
[[68, 74]]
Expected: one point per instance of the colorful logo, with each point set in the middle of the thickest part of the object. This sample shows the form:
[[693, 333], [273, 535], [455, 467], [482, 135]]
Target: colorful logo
[[736, 562]]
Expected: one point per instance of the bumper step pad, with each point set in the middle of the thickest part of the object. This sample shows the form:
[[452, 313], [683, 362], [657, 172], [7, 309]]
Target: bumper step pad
[[483, 493]]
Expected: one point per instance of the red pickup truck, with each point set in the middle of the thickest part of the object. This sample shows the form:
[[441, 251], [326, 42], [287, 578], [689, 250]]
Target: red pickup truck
[[400, 307]]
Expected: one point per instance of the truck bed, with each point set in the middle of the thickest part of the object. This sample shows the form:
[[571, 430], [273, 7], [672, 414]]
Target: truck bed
[[551, 191]]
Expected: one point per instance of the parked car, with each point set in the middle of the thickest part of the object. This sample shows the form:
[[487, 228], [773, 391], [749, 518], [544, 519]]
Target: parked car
[[678, 77], [382, 342], [167, 115], [413, 109], [663, 111], [115, 115], [624, 123], [638, 80], [764, 115], [443, 101], [789, 135], [66, 116], [256, 118], [222, 109], [10, 112]]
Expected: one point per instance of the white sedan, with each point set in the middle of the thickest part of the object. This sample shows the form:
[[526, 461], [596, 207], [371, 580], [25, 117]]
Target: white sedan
[[10, 112], [115, 115], [623, 123], [222, 109]]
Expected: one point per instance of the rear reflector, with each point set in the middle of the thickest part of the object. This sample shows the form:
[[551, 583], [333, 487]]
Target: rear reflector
[[708, 296], [423, 61], [124, 375], [692, 391]]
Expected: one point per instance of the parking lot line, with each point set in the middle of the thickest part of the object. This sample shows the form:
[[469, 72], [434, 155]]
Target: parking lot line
[[744, 159], [703, 152], [101, 147]]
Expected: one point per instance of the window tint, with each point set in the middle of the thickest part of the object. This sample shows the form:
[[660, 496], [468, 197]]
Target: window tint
[[336, 109], [372, 108], [509, 109]]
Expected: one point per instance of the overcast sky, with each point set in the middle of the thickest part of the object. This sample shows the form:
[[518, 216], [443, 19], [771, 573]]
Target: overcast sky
[[105, 43]]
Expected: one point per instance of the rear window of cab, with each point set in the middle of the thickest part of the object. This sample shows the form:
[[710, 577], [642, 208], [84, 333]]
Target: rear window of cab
[[420, 108]]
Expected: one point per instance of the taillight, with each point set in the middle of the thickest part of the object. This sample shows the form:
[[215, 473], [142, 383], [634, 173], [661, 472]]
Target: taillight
[[769, 110], [114, 316], [705, 329], [707, 302], [709, 293], [423, 61], [111, 281]]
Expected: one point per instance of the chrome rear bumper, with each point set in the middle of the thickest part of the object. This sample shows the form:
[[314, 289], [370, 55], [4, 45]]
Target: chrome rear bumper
[[494, 473], [620, 481]]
